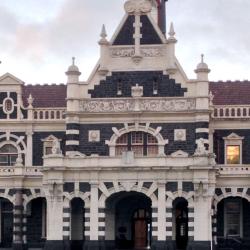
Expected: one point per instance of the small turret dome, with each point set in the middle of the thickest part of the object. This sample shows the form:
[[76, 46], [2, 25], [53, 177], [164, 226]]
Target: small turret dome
[[202, 66], [73, 69]]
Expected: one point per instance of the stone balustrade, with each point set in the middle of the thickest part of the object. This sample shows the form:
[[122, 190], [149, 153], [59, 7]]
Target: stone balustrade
[[231, 112], [49, 114], [231, 170]]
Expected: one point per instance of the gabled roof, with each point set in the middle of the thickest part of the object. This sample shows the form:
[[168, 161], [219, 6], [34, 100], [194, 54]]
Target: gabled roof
[[10, 79], [45, 95], [230, 92], [150, 32]]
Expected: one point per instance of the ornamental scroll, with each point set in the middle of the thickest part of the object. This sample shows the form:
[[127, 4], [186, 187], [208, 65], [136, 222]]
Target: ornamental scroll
[[137, 105]]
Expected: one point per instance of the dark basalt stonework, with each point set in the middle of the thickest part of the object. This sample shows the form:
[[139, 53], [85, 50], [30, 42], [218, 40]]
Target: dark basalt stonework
[[166, 87], [149, 35], [199, 245], [219, 144], [167, 132]]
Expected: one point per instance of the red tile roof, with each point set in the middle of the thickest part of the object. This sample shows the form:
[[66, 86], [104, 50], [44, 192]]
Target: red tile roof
[[230, 92], [45, 96]]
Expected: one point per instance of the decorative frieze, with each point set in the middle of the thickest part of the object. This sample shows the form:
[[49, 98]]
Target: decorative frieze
[[135, 105], [130, 52]]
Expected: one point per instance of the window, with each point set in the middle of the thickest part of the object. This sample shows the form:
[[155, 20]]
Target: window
[[141, 143], [233, 219], [233, 149], [8, 155], [233, 154]]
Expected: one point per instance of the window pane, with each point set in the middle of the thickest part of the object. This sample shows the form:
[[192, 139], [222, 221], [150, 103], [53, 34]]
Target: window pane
[[138, 150], [120, 149], [151, 139], [123, 139], [137, 137], [233, 154], [48, 150], [3, 160], [153, 150], [12, 159], [8, 148], [233, 209]]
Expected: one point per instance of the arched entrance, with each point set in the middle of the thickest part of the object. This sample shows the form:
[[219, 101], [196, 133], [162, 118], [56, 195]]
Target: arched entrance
[[180, 222], [6, 223], [233, 227], [128, 220], [77, 219], [36, 222]]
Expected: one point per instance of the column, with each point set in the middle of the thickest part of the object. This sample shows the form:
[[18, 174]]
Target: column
[[72, 136], [29, 153], [54, 218], [18, 221]]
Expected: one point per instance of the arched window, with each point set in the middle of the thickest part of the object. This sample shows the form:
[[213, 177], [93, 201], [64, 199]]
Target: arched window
[[8, 155], [141, 143]]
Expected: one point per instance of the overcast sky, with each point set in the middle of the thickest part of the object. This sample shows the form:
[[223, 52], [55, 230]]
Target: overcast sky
[[39, 37]]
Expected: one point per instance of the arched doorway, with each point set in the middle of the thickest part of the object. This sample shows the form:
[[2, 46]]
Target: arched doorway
[[180, 222], [6, 223], [77, 220], [36, 222], [233, 227], [128, 220]]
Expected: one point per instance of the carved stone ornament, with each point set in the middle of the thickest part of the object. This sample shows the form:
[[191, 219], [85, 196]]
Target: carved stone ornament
[[180, 134], [179, 153], [56, 148], [94, 135], [137, 91], [132, 105], [130, 52], [200, 149], [137, 6], [128, 185]]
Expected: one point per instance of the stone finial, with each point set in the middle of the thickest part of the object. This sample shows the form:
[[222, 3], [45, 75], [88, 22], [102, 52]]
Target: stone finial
[[171, 30], [138, 6], [200, 149], [19, 161], [103, 35], [30, 101], [211, 98]]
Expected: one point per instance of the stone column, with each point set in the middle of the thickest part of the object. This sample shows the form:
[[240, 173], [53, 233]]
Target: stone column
[[29, 153], [18, 243], [97, 234], [54, 217]]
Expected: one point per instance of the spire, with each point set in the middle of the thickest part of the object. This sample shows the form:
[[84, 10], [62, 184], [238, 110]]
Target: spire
[[103, 35], [171, 31]]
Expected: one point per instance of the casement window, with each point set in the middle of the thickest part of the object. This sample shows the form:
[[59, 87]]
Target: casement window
[[233, 218], [233, 149], [141, 143], [8, 155]]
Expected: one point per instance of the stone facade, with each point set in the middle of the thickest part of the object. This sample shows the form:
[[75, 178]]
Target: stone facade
[[137, 157]]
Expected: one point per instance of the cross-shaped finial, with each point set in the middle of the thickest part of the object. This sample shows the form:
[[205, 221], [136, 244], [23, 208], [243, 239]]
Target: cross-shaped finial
[[73, 60], [202, 58]]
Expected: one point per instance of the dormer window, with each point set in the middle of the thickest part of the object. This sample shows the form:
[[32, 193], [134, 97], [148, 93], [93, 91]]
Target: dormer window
[[233, 149], [8, 155]]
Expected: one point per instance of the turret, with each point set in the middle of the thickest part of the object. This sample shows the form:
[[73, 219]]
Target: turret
[[104, 49], [73, 74], [171, 68]]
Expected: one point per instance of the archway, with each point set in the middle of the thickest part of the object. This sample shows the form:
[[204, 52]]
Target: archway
[[77, 221], [6, 223], [36, 222], [128, 220], [233, 226], [180, 222]]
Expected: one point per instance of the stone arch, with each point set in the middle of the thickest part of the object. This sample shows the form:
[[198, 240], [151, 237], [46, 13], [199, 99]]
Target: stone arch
[[136, 127], [70, 196], [180, 194], [223, 193], [129, 188], [34, 195], [11, 199]]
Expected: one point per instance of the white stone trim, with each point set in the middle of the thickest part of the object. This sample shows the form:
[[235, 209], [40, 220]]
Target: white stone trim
[[202, 130], [72, 143], [136, 127], [72, 132]]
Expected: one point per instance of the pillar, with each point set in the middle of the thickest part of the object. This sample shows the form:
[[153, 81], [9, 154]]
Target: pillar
[[18, 243], [54, 218], [29, 153]]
